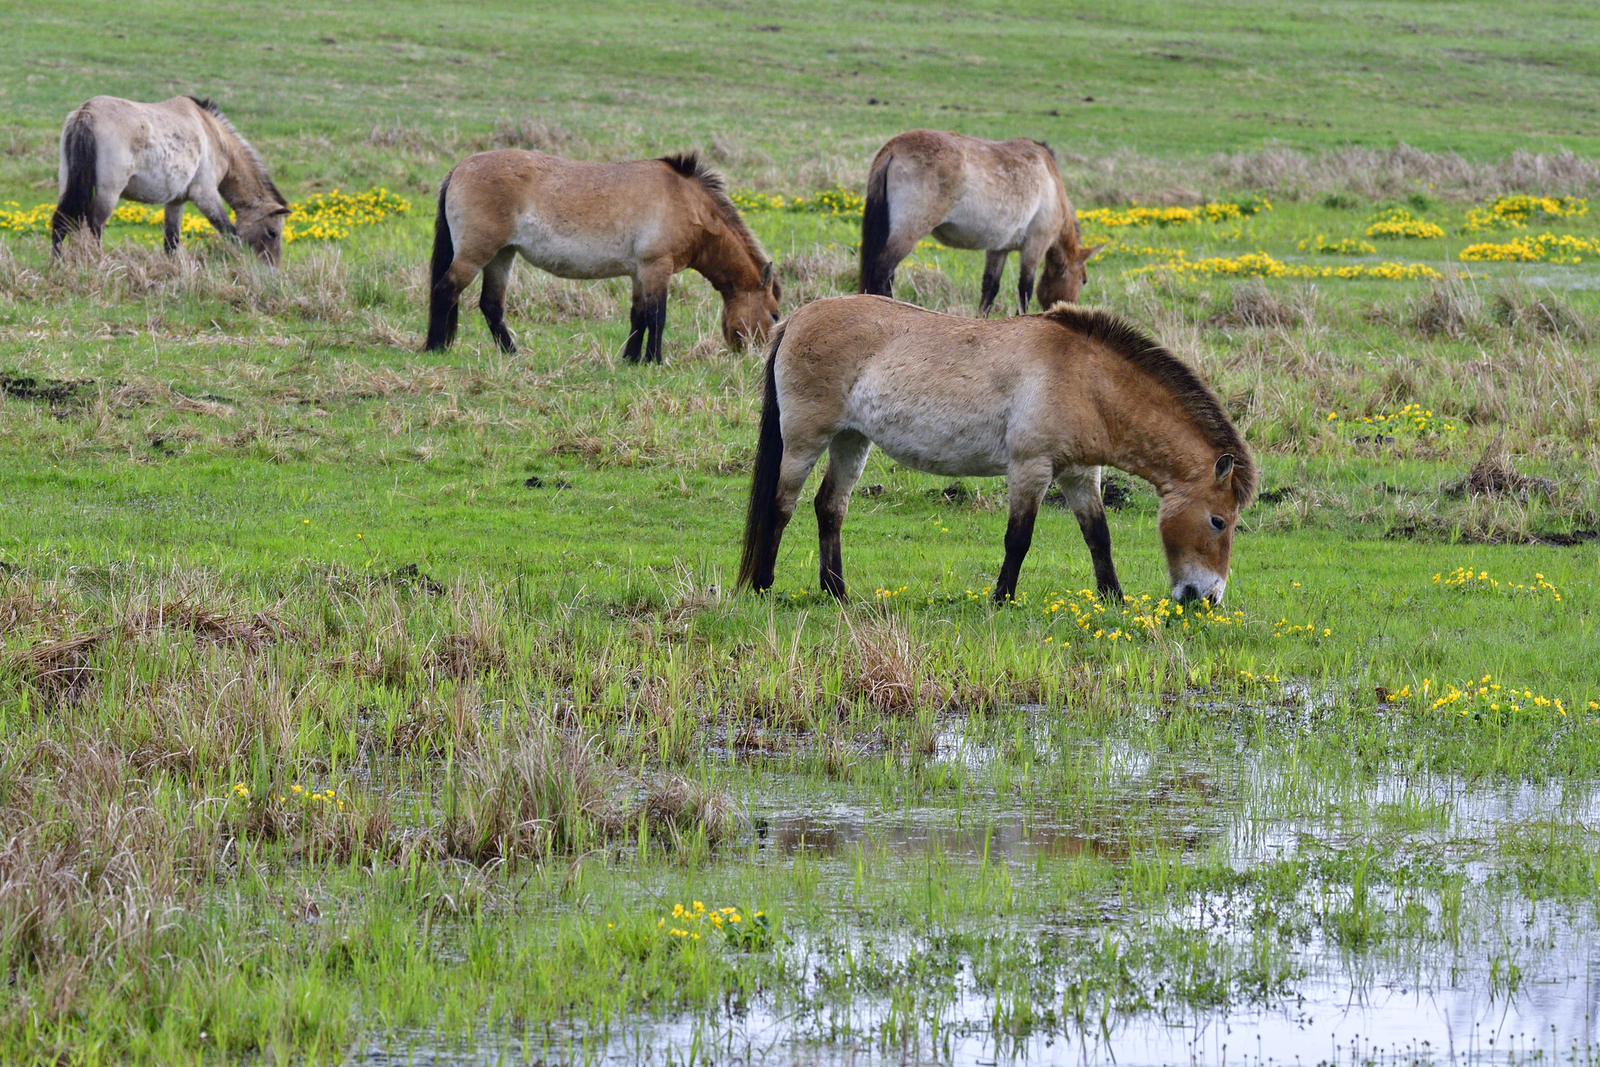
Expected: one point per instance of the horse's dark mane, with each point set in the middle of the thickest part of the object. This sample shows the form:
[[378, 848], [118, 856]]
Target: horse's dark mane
[[209, 107], [1139, 349], [688, 164]]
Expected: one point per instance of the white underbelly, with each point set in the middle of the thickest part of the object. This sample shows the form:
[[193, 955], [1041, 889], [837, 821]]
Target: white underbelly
[[975, 225], [568, 255], [156, 188], [969, 443]]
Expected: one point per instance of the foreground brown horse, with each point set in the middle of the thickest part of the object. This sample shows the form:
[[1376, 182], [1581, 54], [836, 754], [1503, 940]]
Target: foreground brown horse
[[1039, 398], [647, 220], [180, 149], [998, 196]]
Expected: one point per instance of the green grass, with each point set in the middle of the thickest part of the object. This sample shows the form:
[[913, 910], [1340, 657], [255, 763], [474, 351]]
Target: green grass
[[264, 543]]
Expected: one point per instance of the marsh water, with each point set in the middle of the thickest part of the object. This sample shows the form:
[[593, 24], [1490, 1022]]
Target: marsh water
[[1417, 932]]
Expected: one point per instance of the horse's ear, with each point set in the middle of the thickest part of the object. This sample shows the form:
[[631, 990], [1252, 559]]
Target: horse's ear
[[280, 210], [1089, 253], [1224, 467], [766, 274]]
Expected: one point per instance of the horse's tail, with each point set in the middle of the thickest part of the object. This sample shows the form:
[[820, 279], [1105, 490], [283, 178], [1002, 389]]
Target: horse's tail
[[444, 305], [79, 162], [875, 232], [762, 524]]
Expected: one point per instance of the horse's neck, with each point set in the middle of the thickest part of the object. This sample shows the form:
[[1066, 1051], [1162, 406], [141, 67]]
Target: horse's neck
[[240, 186], [1149, 435], [726, 262]]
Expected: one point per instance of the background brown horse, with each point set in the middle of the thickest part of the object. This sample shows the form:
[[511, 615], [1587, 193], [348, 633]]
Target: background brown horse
[[646, 219], [998, 196], [1038, 398], [180, 149]]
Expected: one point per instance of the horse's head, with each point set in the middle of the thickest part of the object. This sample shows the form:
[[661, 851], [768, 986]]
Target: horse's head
[[262, 229], [748, 314], [1197, 522], [1065, 273]]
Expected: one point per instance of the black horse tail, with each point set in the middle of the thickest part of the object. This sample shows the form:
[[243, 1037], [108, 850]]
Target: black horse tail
[[444, 305], [763, 526], [79, 153], [875, 233]]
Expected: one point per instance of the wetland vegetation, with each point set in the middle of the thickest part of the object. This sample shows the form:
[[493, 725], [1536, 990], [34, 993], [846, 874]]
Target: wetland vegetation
[[358, 705]]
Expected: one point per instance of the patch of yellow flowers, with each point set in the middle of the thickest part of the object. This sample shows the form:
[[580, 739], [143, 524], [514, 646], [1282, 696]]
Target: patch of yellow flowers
[[1135, 616], [1397, 223], [319, 217], [1534, 248], [1345, 246], [1486, 695], [694, 922], [1413, 418], [1513, 212], [1262, 265], [835, 201], [328, 797], [1224, 211], [1468, 579]]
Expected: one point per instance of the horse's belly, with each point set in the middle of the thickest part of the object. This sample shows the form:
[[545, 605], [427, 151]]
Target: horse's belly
[[155, 188], [981, 226], [923, 441], [577, 255]]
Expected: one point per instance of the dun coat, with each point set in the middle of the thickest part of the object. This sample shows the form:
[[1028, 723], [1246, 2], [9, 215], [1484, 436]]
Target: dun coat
[[1038, 398], [996, 196], [646, 219], [180, 149]]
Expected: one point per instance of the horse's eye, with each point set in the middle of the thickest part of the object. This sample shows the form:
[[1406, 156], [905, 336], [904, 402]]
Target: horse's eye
[[774, 316], [1218, 523]]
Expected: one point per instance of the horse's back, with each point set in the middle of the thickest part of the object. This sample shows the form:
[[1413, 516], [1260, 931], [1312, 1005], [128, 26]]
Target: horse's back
[[984, 194], [574, 218], [939, 393]]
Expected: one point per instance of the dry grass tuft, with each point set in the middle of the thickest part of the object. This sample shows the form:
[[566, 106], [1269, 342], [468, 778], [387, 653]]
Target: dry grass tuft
[[1253, 304], [891, 672], [59, 670], [932, 288], [252, 632], [1520, 308], [1450, 308], [1493, 475], [551, 791], [680, 805]]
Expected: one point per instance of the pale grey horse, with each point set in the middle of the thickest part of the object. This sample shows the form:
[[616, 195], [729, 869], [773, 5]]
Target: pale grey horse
[[180, 149]]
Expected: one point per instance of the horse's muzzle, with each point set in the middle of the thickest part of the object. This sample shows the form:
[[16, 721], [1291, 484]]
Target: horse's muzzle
[[1191, 592]]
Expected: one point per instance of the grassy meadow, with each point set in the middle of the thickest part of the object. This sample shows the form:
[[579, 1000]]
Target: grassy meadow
[[361, 705]]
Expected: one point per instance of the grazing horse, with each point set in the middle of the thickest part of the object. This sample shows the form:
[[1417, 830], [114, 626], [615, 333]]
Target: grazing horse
[[1038, 398], [180, 149], [997, 196], [646, 219]]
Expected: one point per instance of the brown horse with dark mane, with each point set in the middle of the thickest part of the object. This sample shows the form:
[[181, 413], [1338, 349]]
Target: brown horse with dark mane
[[646, 219], [1038, 398], [997, 196]]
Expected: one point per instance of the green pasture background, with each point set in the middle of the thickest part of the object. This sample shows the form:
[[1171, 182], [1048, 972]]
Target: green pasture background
[[1481, 78]]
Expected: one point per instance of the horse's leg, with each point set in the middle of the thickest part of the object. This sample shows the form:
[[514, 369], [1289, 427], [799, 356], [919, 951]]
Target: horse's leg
[[798, 459], [105, 202], [847, 455], [638, 323], [994, 265], [172, 226], [1028, 257], [656, 285], [1081, 486], [216, 212], [1026, 482], [492, 299]]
